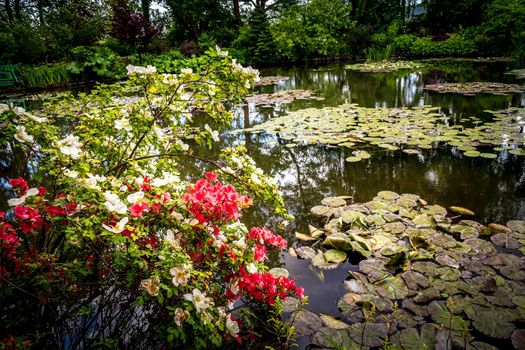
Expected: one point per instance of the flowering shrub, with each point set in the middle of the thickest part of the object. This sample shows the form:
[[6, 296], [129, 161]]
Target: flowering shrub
[[107, 245]]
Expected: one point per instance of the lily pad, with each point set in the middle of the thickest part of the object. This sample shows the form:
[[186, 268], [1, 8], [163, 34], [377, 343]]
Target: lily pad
[[338, 241], [440, 314], [306, 322], [374, 268], [462, 211], [493, 324], [305, 252], [304, 237], [320, 262], [333, 202], [335, 256], [414, 339], [279, 271]]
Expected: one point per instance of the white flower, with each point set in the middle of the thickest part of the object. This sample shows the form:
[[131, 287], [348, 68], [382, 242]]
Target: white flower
[[182, 145], [118, 227], [135, 197], [71, 173], [13, 202], [31, 192], [172, 239], [70, 146], [220, 52], [114, 204], [92, 181], [214, 133], [251, 268], [232, 326], [73, 152], [255, 179], [123, 124], [22, 136], [186, 71], [140, 70], [199, 299], [162, 137], [177, 216], [180, 316], [181, 275], [240, 243]]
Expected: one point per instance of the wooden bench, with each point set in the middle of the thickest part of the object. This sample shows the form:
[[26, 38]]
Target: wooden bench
[[8, 76]]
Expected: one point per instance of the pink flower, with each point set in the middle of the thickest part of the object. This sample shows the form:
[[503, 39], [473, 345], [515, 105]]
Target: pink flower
[[138, 208]]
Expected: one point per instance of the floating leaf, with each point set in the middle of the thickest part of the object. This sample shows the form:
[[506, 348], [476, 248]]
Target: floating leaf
[[439, 312], [333, 323], [374, 269], [335, 256], [306, 322], [279, 271], [493, 324], [320, 262], [304, 237], [412, 339], [462, 211], [333, 202], [305, 252]]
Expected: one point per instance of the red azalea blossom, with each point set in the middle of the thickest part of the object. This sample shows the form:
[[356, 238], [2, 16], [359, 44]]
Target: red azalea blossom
[[266, 287], [31, 219], [19, 183], [208, 201], [137, 209], [54, 210], [41, 191], [145, 184], [259, 253], [265, 236], [211, 176]]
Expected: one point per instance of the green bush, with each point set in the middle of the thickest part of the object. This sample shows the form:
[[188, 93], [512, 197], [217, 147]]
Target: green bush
[[96, 62], [455, 46]]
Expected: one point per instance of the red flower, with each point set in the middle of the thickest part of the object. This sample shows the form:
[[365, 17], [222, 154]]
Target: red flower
[[41, 191], [20, 183], [137, 209], [259, 254], [25, 213], [214, 202], [145, 184], [211, 176], [265, 236], [54, 210]]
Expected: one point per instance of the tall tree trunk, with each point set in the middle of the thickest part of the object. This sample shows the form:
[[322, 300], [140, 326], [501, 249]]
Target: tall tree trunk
[[40, 7], [8, 10], [237, 12], [17, 10], [145, 4]]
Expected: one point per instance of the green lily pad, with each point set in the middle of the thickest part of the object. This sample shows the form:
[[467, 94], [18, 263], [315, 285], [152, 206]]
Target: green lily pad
[[353, 159], [305, 252], [320, 262], [333, 202], [414, 339], [517, 152], [462, 211], [375, 269], [493, 324], [488, 155], [279, 271], [338, 241], [333, 323], [349, 217], [424, 220], [335, 256], [304, 237], [440, 314], [306, 322]]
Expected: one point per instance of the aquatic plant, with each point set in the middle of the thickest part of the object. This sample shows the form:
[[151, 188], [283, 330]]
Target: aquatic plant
[[449, 272], [398, 129], [473, 88], [383, 66]]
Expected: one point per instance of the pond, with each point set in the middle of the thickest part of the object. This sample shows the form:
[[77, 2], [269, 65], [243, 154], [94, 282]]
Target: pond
[[494, 189]]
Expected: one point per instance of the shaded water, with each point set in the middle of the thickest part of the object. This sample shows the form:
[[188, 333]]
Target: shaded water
[[493, 188]]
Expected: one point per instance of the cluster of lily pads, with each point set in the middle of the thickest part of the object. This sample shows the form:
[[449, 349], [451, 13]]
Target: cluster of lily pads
[[428, 277], [383, 66], [406, 129], [519, 73], [471, 59], [282, 97], [473, 88], [271, 80]]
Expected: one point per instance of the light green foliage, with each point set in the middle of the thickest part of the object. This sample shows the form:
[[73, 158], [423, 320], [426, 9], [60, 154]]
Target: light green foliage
[[96, 61], [315, 28], [99, 149], [455, 46], [45, 75]]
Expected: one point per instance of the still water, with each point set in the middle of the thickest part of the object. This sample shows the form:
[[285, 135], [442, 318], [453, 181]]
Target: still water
[[493, 188]]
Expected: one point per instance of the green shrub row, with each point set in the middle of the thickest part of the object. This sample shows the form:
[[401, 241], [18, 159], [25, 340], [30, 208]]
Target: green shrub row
[[455, 46]]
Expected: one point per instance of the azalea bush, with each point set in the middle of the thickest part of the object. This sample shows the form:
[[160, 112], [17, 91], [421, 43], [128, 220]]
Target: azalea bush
[[107, 243]]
